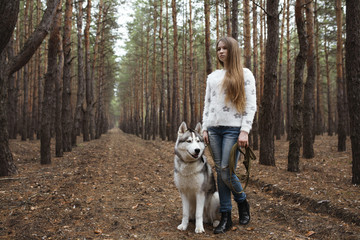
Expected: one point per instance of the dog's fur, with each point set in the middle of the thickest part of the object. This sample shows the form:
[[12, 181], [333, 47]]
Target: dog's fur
[[195, 181]]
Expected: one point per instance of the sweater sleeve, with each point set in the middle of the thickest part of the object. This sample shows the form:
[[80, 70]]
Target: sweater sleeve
[[207, 101], [250, 109]]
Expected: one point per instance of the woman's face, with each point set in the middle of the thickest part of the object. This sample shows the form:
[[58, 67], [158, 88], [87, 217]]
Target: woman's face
[[222, 52]]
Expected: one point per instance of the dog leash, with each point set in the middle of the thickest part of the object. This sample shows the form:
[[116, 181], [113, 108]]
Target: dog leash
[[248, 156]]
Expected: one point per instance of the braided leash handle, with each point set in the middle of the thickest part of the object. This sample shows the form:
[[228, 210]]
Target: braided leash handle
[[248, 156]]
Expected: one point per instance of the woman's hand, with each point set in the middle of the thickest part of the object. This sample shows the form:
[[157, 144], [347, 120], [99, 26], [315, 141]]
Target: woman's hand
[[206, 137], [243, 139]]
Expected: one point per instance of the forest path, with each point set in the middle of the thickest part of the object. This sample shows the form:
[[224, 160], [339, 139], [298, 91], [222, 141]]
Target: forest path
[[121, 187]]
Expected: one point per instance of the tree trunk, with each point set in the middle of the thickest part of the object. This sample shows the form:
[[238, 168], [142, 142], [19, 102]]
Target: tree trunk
[[228, 17], [309, 99], [247, 35], [279, 120], [267, 149], [217, 25], [66, 111], [296, 128], [352, 60], [234, 19], [340, 82], [207, 37], [92, 124], [262, 54], [12, 97], [288, 80], [8, 16], [49, 97], [169, 103], [191, 69], [88, 79], [59, 150], [80, 75], [255, 127], [25, 78], [153, 83], [162, 119], [329, 105], [319, 106], [175, 97]]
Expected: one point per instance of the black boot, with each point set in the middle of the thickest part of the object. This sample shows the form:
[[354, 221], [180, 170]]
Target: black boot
[[225, 223], [244, 212]]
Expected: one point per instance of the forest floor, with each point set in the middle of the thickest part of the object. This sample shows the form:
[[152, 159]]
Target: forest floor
[[121, 187]]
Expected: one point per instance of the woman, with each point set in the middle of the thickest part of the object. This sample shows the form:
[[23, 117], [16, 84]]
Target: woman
[[230, 106]]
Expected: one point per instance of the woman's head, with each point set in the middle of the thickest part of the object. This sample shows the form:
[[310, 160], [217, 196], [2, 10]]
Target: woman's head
[[230, 47], [229, 55]]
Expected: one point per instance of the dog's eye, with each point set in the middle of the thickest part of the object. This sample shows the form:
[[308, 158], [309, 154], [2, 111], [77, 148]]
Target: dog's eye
[[189, 141]]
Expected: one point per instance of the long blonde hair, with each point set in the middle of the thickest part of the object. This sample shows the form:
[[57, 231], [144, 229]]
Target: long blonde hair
[[233, 83]]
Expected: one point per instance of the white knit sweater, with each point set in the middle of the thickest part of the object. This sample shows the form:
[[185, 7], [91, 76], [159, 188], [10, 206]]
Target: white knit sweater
[[218, 112]]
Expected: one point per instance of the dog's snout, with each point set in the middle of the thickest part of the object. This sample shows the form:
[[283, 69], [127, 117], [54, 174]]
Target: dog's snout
[[197, 150]]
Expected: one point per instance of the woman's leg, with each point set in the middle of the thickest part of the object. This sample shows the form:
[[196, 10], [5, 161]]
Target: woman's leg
[[230, 179], [216, 143]]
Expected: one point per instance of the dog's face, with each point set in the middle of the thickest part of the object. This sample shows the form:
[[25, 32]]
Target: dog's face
[[189, 144]]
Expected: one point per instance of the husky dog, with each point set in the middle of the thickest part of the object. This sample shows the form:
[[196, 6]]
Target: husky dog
[[195, 181]]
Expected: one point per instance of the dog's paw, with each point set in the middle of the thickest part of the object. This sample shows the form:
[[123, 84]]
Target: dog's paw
[[182, 227], [216, 223], [199, 229]]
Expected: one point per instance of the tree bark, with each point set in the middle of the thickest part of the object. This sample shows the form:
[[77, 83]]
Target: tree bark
[[207, 37], [234, 19], [309, 99], [191, 69], [288, 80], [329, 105], [228, 17], [89, 99], [66, 111], [80, 75], [255, 127], [8, 16], [267, 149], [59, 150], [296, 127], [247, 35], [24, 127], [341, 127], [279, 120], [352, 60], [154, 104], [168, 84], [162, 119], [49, 97], [175, 96]]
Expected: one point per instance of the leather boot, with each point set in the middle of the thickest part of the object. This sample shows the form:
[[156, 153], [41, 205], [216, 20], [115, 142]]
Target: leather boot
[[244, 212], [225, 223]]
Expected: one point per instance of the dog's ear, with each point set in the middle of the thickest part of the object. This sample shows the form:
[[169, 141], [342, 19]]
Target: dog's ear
[[182, 129], [198, 128]]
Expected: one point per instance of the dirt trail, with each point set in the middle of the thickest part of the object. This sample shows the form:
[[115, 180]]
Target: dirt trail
[[121, 187]]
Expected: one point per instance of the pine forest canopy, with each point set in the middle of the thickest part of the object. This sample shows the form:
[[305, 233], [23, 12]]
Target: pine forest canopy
[[142, 66]]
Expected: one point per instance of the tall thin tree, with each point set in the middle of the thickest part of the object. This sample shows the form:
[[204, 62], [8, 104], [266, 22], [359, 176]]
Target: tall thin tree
[[341, 127], [66, 111], [267, 148], [296, 126], [309, 89], [352, 60]]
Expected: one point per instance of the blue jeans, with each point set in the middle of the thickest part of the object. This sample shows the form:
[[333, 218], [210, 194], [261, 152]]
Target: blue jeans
[[222, 139]]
